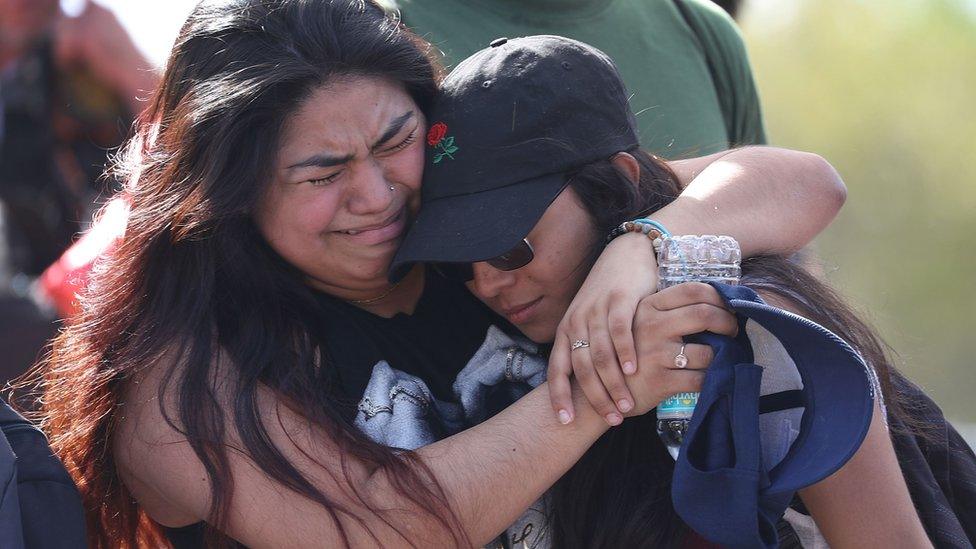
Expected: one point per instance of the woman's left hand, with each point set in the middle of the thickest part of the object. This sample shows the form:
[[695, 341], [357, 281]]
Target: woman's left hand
[[602, 314]]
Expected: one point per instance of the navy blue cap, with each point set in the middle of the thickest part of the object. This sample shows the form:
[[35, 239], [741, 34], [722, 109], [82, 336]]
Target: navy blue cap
[[721, 488], [508, 125]]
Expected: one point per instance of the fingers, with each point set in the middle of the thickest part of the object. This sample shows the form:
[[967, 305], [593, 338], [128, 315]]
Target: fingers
[[603, 355], [560, 390], [664, 354], [655, 382], [659, 335], [592, 386], [688, 293], [685, 320], [698, 356], [684, 381], [621, 327], [702, 317], [604, 359]]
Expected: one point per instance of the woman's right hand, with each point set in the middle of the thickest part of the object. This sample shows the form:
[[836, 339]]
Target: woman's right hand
[[661, 322]]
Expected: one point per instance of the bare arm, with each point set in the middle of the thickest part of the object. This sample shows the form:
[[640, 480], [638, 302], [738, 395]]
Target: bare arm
[[490, 473], [773, 201]]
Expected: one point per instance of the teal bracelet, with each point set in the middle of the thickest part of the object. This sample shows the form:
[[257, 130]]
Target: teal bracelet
[[657, 225]]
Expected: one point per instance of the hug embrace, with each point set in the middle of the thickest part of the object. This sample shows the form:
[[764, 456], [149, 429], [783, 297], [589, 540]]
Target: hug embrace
[[359, 303]]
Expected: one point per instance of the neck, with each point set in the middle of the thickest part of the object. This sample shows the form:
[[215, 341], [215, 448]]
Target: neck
[[402, 299], [389, 300]]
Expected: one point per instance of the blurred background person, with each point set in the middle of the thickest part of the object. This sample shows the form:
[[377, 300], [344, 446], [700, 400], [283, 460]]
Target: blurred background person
[[731, 6], [683, 61], [69, 89]]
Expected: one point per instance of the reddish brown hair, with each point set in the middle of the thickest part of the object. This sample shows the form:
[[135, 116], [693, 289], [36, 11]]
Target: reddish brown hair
[[193, 274]]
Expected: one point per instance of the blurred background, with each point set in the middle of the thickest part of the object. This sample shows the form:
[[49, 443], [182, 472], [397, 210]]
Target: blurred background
[[884, 89]]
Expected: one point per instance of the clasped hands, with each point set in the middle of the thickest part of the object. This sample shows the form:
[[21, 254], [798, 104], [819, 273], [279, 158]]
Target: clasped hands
[[628, 340]]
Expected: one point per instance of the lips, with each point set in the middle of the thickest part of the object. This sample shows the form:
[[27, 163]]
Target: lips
[[521, 313], [388, 230]]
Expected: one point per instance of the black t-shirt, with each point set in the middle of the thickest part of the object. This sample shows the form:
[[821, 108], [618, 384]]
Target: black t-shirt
[[434, 343]]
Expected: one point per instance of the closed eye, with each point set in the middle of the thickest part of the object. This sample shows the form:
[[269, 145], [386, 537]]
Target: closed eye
[[403, 144], [325, 180]]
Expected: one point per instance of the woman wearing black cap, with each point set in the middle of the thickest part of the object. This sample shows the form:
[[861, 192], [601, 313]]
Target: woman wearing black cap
[[577, 172], [216, 371]]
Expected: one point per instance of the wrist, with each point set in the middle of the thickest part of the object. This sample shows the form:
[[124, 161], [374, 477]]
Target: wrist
[[650, 228], [640, 252], [686, 215], [586, 418]]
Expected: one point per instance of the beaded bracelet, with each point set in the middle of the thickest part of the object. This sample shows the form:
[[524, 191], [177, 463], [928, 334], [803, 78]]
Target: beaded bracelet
[[653, 229]]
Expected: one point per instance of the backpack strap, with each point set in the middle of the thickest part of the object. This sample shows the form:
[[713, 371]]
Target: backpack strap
[[41, 505], [11, 532]]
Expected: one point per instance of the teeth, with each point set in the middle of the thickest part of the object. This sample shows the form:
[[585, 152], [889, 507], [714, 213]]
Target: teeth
[[352, 232]]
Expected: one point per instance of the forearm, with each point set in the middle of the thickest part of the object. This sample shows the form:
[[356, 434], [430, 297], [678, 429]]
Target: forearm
[[488, 474], [773, 201], [494, 471]]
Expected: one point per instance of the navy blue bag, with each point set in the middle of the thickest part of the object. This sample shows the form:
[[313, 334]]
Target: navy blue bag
[[726, 493], [721, 487], [39, 504]]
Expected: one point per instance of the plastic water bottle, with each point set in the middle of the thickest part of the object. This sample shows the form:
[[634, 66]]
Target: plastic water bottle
[[704, 258]]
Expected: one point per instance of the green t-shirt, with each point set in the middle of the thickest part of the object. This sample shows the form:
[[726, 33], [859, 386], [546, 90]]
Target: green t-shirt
[[664, 61]]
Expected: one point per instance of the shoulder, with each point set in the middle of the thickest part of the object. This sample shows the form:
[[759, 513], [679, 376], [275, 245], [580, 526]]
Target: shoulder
[[717, 33], [710, 16], [154, 457]]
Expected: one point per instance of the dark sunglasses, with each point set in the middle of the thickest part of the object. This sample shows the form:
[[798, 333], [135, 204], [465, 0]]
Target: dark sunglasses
[[516, 258]]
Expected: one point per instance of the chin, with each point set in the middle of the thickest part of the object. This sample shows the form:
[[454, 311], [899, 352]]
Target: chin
[[539, 334]]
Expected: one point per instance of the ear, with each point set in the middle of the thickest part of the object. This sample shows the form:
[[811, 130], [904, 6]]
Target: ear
[[627, 165]]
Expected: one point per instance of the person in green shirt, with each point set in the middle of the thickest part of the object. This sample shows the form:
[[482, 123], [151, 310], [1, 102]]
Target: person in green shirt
[[683, 61]]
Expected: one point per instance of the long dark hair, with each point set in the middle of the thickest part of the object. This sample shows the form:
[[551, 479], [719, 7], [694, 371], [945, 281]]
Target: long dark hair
[[619, 493], [193, 279]]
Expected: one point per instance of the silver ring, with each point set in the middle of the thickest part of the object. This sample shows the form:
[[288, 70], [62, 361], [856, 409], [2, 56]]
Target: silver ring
[[680, 360], [579, 344], [392, 188]]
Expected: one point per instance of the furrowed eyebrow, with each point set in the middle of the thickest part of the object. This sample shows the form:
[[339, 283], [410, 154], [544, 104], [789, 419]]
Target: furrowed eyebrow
[[394, 128], [322, 161], [327, 161]]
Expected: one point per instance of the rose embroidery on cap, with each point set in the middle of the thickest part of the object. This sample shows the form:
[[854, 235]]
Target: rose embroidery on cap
[[437, 137]]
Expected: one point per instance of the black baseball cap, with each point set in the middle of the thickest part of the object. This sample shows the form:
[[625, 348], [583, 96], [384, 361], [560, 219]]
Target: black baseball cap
[[510, 122]]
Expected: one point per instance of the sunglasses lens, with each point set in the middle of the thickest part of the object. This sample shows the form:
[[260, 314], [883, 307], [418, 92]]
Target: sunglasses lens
[[517, 257]]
